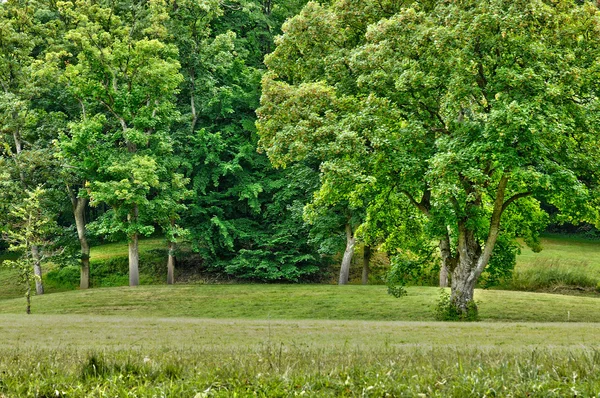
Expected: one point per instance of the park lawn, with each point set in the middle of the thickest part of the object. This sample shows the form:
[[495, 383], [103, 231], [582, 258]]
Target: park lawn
[[261, 301]]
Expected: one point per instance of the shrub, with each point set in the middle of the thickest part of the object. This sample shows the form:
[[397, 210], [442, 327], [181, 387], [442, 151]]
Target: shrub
[[446, 311]]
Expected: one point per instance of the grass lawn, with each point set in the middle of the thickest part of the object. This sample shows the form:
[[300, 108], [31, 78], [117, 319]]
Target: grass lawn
[[310, 340], [303, 302], [564, 264]]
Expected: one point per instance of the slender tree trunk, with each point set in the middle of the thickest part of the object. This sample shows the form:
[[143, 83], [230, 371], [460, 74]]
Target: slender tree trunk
[[134, 252], [134, 260], [366, 264], [171, 264], [37, 269], [28, 295], [79, 206], [348, 254]]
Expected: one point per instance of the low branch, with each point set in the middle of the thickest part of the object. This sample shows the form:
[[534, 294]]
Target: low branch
[[419, 205], [514, 198], [494, 226]]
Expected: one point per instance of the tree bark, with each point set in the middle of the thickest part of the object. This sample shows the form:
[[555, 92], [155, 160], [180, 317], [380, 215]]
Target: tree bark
[[79, 205], [366, 264], [348, 254], [472, 258], [171, 264], [28, 299], [37, 269], [134, 252], [134, 260], [464, 275], [448, 261]]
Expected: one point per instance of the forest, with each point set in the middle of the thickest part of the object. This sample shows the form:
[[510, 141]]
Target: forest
[[272, 138]]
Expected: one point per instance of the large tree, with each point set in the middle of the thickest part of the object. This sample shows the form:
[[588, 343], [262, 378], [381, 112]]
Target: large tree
[[129, 75], [470, 109]]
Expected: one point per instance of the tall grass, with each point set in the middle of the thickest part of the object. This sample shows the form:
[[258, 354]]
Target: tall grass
[[278, 371], [551, 275]]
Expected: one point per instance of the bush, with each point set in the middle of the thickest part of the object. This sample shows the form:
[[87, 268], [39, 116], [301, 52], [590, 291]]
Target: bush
[[63, 278], [446, 311]]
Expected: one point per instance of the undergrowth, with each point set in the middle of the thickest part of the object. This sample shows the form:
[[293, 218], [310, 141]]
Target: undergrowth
[[275, 370], [550, 275]]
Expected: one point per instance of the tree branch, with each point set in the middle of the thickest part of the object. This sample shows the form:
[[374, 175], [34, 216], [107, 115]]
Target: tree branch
[[494, 226], [514, 198], [423, 205]]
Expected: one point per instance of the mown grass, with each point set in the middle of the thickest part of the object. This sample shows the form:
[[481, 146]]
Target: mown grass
[[303, 302]]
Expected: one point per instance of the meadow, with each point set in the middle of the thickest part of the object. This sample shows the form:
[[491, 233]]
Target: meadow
[[205, 340]]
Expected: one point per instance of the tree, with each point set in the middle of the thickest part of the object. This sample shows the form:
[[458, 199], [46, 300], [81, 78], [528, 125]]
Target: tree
[[470, 109], [244, 218], [28, 235], [28, 123], [124, 69]]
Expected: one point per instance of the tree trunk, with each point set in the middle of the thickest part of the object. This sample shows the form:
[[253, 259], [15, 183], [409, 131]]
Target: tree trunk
[[37, 269], [79, 205], [472, 258], [465, 275], [366, 264], [443, 275], [28, 295], [348, 254], [171, 264], [447, 263], [134, 260]]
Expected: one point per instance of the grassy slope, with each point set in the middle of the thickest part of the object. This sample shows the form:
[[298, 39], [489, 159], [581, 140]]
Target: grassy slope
[[8, 277], [303, 302], [120, 249], [564, 252]]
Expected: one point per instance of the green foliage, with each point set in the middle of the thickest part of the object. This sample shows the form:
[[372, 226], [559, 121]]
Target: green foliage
[[446, 310], [455, 105], [502, 263]]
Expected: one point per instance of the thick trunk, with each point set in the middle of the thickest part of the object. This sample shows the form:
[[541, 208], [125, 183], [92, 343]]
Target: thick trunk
[[171, 264], [465, 275], [37, 269], [79, 205], [472, 257], [366, 264], [134, 260], [348, 254]]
